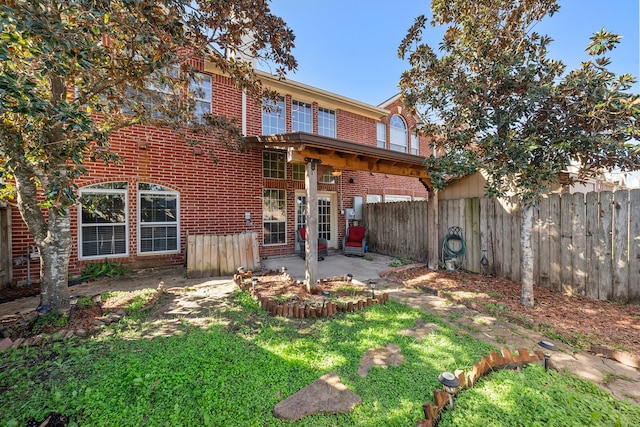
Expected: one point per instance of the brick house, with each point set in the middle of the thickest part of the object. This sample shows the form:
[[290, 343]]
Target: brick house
[[165, 188]]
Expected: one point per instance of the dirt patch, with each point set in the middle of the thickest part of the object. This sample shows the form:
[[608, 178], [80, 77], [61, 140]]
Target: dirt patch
[[574, 319], [282, 288]]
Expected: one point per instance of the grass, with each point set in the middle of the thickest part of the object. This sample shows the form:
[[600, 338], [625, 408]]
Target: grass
[[233, 372], [534, 397]]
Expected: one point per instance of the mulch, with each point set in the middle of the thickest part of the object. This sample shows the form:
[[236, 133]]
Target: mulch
[[572, 316]]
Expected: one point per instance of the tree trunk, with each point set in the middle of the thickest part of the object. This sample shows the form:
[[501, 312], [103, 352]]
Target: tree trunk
[[52, 235], [527, 257], [55, 251]]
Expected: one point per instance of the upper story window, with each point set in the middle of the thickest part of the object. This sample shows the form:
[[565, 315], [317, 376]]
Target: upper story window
[[200, 87], [398, 137], [298, 172], [103, 220], [381, 135], [326, 122], [273, 164], [415, 144], [157, 95], [157, 219], [301, 117], [273, 117]]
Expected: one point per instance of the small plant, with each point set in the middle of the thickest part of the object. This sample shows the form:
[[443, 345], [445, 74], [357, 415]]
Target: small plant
[[398, 262], [368, 258], [93, 270], [42, 322], [495, 294]]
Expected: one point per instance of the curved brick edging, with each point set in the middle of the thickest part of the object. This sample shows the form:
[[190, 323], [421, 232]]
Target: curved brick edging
[[301, 311], [487, 364], [298, 310]]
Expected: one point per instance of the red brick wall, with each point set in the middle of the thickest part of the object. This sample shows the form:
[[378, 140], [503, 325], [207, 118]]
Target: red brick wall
[[215, 196]]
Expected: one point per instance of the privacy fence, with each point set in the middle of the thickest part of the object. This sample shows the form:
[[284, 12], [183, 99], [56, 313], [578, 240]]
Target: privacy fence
[[585, 244], [398, 229], [212, 255]]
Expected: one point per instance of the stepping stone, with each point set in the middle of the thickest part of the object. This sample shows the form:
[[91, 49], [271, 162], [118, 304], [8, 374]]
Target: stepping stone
[[421, 329], [326, 395], [383, 357]]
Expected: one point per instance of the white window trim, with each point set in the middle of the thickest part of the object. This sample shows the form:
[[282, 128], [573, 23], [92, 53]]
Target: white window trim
[[196, 82], [282, 113], [335, 121], [285, 220], [381, 140], [88, 189], [404, 147], [139, 220], [296, 103]]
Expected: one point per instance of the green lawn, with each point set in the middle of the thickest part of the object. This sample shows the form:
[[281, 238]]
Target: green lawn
[[234, 374]]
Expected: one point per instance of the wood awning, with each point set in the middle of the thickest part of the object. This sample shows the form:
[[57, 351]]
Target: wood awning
[[340, 154]]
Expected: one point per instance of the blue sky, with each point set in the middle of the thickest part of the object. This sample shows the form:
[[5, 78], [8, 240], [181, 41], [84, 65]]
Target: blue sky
[[349, 46]]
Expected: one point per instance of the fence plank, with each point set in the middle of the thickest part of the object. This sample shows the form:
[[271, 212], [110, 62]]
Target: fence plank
[[605, 243], [215, 255], [256, 251], [516, 243], [579, 242], [620, 289], [555, 249], [543, 260], [199, 271], [207, 268], [634, 246], [566, 276], [507, 242], [592, 248]]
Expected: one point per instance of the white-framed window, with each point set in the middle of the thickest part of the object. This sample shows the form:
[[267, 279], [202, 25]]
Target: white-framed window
[[273, 117], [301, 120], [374, 198], [273, 164], [297, 170], [398, 140], [274, 216], [395, 198], [158, 219], [415, 144], [381, 135], [102, 219], [200, 87], [326, 122], [327, 178]]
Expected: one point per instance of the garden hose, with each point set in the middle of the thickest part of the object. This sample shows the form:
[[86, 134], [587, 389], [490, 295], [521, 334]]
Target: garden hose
[[449, 254]]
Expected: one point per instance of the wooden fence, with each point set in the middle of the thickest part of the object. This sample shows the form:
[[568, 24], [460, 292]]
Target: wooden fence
[[398, 229], [582, 244], [210, 255]]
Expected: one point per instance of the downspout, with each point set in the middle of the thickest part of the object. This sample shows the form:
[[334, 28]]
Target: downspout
[[244, 112]]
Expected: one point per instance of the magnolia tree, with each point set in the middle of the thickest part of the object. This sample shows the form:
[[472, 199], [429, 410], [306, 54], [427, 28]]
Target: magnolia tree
[[493, 100], [71, 73]]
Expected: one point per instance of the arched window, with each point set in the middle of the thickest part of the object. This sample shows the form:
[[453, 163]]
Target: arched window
[[102, 219], [398, 134]]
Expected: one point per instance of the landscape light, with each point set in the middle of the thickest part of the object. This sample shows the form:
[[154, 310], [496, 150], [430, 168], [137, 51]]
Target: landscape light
[[450, 383], [547, 355], [349, 277], [73, 300], [98, 300], [372, 285], [254, 282]]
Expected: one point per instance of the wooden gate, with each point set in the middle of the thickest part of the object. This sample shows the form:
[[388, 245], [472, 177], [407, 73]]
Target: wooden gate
[[211, 255]]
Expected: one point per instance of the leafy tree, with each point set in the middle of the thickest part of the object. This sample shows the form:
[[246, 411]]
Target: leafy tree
[[73, 72], [494, 100]]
